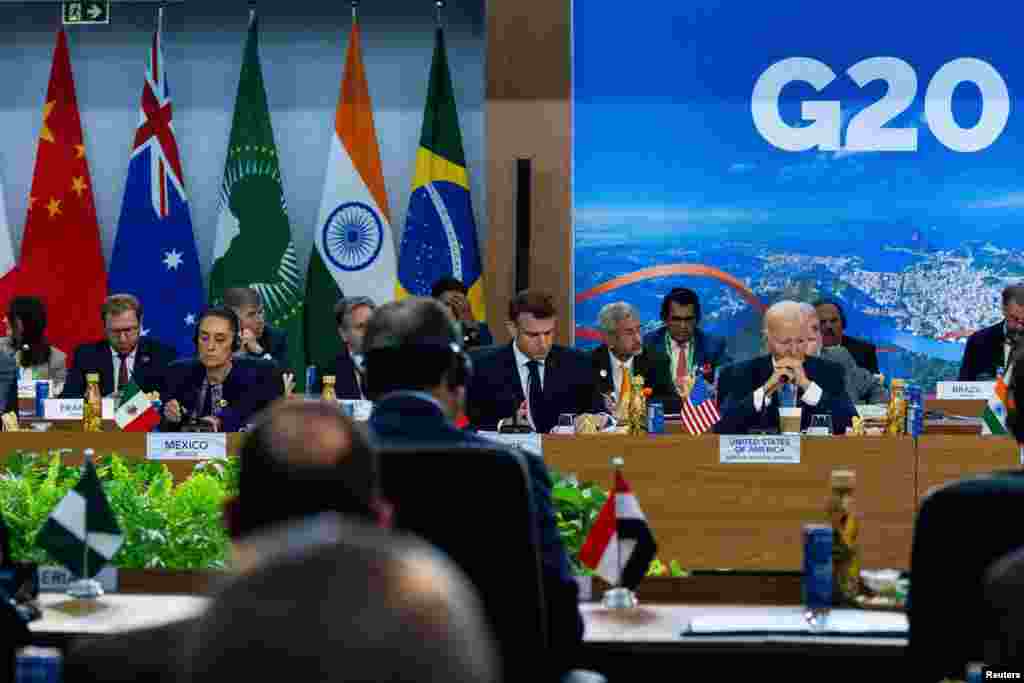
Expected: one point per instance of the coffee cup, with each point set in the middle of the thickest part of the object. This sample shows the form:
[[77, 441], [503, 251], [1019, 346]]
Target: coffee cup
[[789, 420]]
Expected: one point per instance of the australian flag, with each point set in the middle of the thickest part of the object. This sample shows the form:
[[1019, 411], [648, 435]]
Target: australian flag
[[155, 251]]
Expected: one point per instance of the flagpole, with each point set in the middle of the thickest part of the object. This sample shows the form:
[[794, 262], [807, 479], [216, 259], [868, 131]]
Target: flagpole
[[355, 4], [618, 597], [85, 587], [438, 6]]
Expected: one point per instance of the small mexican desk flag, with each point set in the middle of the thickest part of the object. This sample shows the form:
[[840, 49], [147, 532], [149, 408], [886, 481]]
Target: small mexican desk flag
[[135, 412], [82, 532]]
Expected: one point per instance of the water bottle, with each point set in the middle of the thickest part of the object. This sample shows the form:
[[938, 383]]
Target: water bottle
[[915, 412], [311, 382]]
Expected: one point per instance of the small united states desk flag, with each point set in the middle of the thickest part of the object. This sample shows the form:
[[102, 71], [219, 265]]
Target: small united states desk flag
[[699, 411], [82, 532], [620, 545]]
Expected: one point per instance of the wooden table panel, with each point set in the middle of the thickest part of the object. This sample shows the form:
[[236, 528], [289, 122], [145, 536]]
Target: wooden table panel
[[708, 515], [129, 445], [945, 458]]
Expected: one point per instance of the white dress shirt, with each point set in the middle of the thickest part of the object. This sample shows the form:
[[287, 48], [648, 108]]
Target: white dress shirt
[[524, 372], [616, 366], [812, 394], [130, 360]]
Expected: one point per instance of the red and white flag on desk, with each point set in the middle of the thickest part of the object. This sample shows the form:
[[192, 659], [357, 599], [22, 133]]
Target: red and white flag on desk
[[620, 545], [699, 412]]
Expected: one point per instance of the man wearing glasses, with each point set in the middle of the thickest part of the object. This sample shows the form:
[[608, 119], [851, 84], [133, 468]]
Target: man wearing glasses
[[123, 356], [259, 340], [989, 349]]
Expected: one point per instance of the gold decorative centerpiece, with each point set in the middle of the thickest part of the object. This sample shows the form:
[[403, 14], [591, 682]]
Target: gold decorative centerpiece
[[897, 414], [635, 412], [587, 424]]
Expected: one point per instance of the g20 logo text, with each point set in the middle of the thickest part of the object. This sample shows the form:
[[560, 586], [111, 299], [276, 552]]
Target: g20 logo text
[[866, 131]]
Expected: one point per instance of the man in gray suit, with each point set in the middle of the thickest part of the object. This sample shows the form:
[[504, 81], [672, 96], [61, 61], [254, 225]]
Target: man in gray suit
[[861, 385]]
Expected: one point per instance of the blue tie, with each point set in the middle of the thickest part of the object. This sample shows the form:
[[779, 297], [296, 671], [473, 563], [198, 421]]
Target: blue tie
[[536, 394]]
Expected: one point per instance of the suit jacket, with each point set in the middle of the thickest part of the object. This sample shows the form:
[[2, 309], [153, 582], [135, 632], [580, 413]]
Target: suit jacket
[[8, 385], [151, 361], [737, 383], [345, 382], [985, 353], [602, 364], [861, 385], [248, 388], [495, 391], [275, 347], [406, 418], [708, 352], [864, 353]]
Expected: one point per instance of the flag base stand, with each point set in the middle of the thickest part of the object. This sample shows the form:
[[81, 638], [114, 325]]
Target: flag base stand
[[619, 598], [85, 588]]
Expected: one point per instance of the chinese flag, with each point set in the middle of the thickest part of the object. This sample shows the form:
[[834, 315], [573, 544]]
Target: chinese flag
[[61, 256]]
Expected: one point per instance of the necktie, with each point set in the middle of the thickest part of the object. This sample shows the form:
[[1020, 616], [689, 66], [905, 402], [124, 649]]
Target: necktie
[[626, 388], [536, 394], [122, 371], [682, 369]]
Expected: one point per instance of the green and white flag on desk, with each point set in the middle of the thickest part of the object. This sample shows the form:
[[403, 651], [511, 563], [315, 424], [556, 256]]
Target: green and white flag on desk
[[82, 532]]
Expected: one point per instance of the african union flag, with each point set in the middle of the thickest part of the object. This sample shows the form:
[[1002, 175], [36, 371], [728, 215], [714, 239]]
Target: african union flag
[[440, 233]]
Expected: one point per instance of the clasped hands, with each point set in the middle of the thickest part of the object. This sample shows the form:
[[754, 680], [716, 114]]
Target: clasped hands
[[791, 368], [250, 342]]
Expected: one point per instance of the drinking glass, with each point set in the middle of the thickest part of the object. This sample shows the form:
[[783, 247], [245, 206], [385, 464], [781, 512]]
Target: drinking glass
[[567, 423]]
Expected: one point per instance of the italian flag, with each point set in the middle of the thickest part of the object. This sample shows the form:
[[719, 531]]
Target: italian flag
[[135, 412], [993, 419]]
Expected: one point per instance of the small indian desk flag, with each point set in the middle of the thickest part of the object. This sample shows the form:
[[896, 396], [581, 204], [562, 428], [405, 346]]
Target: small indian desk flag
[[993, 418], [135, 411], [82, 532]]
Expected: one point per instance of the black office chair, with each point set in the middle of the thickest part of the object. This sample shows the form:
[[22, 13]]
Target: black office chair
[[475, 504], [961, 529]]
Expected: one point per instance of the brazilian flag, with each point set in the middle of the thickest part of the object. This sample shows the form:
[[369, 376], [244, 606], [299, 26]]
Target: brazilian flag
[[440, 232]]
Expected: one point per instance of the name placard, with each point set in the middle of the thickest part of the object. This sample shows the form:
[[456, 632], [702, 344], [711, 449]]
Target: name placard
[[965, 390], [874, 411], [55, 579], [71, 408], [187, 446], [760, 450], [531, 443]]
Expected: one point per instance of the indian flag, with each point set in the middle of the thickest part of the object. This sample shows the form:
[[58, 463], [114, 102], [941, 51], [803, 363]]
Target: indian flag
[[135, 412], [993, 419], [354, 249]]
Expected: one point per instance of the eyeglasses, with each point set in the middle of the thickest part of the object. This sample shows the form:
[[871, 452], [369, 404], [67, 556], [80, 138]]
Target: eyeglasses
[[125, 332]]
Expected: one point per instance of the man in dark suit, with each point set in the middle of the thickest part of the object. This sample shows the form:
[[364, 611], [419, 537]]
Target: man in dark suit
[[259, 340], [417, 374], [833, 332], [622, 357], [216, 389], [531, 376], [747, 391], [989, 349], [678, 350], [352, 315], [123, 356]]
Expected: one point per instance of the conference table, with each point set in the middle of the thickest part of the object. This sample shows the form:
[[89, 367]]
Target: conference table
[[705, 514]]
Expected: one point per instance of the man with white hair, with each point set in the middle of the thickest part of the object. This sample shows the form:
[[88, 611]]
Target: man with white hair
[[622, 356], [861, 385], [748, 391]]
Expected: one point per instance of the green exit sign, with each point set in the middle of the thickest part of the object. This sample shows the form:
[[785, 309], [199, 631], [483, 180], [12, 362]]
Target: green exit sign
[[86, 12]]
